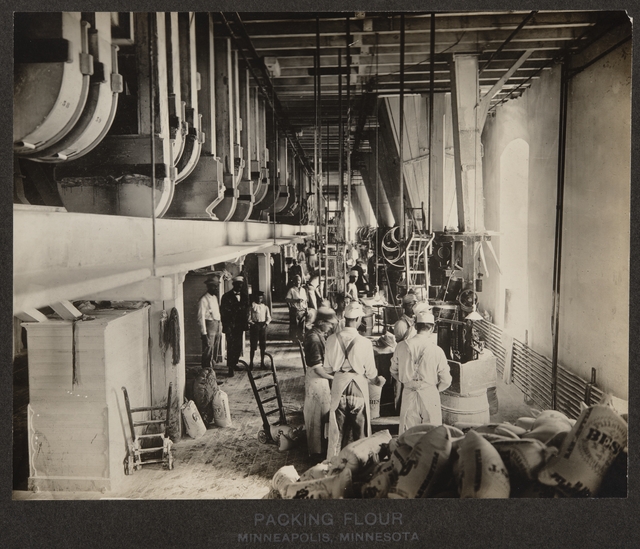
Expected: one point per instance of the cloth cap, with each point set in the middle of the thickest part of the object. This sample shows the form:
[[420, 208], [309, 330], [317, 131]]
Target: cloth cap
[[350, 262], [354, 310], [353, 273], [327, 314], [213, 279], [387, 340], [260, 294], [238, 278], [425, 317], [409, 298]]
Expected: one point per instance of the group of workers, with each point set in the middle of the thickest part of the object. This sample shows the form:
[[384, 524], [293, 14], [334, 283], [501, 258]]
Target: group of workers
[[232, 317], [340, 360], [342, 356]]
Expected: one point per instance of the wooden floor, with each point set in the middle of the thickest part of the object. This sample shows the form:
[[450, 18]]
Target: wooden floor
[[230, 462]]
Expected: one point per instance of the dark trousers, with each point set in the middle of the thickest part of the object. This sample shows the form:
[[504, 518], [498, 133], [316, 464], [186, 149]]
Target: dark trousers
[[350, 414], [211, 349], [296, 324], [234, 349], [258, 335]]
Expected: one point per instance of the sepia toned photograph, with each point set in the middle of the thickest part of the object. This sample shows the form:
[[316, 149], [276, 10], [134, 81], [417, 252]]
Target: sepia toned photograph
[[335, 255]]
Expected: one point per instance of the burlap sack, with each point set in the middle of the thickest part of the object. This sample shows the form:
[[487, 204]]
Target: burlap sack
[[421, 475], [481, 471], [283, 477], [523, 458], [333, 487], [364, 452], [384, 478], [587, 452]]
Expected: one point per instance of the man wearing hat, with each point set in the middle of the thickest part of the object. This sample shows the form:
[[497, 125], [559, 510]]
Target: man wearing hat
[[403, 328], [349, 357], [317, 393], [361, 282], [422, 368], [352, 287], [259, 319], [234, 313], [209, 322]]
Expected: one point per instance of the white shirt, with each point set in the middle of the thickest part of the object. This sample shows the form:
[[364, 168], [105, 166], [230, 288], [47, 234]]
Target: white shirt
[[260, 313], [418, 361], [208, 309], [361, 359]]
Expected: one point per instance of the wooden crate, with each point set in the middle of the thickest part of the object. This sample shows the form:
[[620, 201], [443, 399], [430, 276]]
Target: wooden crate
[[78, 431]]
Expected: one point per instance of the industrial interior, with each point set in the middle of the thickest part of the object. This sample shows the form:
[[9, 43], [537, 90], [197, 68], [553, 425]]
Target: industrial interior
[[480, 161]]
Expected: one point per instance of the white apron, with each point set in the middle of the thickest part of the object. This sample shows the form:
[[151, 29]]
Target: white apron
[[317, 398], [419, 399], [420, 402], [340, 382]]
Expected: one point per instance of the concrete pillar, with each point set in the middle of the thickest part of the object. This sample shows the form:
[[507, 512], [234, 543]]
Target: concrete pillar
[[163, 371], [467, 143], [264, 276]]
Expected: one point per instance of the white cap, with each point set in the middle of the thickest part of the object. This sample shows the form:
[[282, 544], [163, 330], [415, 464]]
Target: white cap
[[238, 278], [425, 317], [354, 310]]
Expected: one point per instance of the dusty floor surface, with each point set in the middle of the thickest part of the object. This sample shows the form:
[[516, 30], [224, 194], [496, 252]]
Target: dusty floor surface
[[230, 462]]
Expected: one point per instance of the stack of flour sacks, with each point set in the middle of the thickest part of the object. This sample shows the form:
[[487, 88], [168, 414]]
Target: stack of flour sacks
[[546, 456]]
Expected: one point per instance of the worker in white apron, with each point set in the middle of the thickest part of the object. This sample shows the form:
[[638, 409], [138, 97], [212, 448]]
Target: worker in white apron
[[349, 356], [422, 368]]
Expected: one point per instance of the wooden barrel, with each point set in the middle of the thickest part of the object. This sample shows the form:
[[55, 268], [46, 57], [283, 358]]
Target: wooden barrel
[[471, 408]]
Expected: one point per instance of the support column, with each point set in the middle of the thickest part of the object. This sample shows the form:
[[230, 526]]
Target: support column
[[163, 371], [467, 143], [437, 159], [264, 276]]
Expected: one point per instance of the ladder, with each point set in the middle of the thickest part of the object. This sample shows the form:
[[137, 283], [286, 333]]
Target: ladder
[[417, 248], [157, 446]]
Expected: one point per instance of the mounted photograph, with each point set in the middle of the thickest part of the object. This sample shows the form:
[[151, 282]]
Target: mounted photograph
[[334, 255]]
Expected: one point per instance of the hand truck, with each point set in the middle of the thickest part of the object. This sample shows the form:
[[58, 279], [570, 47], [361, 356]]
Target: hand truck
[[138, 456], [261, 391]]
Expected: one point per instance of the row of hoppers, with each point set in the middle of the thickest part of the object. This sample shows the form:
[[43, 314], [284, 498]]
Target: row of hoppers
[[545, 456]]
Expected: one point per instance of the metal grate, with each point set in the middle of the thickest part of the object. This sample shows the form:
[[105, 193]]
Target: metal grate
[[492, 337], [531, 372]]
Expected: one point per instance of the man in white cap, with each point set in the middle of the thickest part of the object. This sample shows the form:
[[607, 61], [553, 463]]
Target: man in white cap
[[349, 357], [422, 368], [209, 322], [234, 313]]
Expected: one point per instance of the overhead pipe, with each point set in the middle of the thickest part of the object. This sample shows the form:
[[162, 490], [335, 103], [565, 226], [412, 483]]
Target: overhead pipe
[[557, 258], [340, 135], [432, 65], [347, 223], [316, 93], [265, 85], [152, 99], [403, 231]]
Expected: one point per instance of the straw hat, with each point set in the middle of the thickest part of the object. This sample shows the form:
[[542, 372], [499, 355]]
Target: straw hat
[[387, 340]]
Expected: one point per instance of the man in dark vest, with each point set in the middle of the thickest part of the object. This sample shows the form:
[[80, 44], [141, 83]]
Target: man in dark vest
[[234, 312]]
